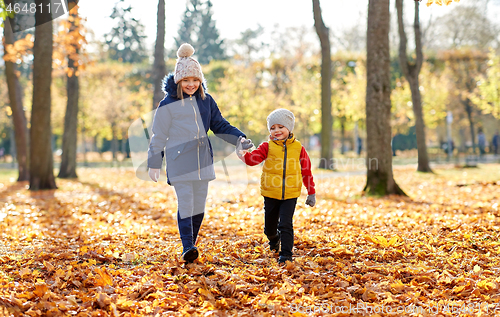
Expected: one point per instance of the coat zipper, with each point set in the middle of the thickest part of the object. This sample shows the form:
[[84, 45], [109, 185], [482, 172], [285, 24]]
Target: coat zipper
[[284, 174], [198, 136]]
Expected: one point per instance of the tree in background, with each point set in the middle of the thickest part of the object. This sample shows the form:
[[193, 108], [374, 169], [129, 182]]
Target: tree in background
[[125, 42], [380, 180], [326, 159], [475, 30], [249, 43], [463, 67], [114, 98], [198, 28], [487, 94], [209, 44], [411, 72], [71, 39], [159, 69], [41, 160], [350, 86], [244, 99], [189, 25], [16, 94]]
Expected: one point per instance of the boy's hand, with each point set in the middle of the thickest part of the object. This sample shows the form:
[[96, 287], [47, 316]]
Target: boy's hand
[[311, 200], [243, 145], [154, 174]]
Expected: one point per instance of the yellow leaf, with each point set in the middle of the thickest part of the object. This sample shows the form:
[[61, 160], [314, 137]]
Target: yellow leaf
[[393, 241], [382, 240], [205, 293], [439, 2], [486, 285], [104, 278], [429, 2], [477, 268], [398, 286], [458, 289], [40, 289]]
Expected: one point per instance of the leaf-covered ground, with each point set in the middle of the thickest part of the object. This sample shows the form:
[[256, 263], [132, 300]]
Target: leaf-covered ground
[[107, 245]]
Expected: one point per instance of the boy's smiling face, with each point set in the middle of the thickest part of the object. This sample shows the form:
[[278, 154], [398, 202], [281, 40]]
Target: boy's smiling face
[[279, 132]]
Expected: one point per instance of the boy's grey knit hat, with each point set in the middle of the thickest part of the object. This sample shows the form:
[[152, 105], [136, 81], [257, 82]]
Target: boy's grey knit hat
[[186, 65], [281, 116]]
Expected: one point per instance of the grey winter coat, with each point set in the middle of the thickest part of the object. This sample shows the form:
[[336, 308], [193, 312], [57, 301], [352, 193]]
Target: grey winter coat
[[180, 129]]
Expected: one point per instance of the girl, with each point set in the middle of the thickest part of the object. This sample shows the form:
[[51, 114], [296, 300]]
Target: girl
[[180, 127]]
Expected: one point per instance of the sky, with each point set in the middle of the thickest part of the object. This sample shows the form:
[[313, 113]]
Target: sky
[[235, 16], [232, 16]]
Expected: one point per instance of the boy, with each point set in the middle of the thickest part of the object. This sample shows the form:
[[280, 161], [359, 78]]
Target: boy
[[286, 167]]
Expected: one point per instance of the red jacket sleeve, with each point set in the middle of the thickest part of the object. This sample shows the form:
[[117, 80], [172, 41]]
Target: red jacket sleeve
[[307, 177], [256, 156]]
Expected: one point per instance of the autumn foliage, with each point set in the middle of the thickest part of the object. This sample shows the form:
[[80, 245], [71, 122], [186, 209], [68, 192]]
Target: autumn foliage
[[107, 245], [439, 2]]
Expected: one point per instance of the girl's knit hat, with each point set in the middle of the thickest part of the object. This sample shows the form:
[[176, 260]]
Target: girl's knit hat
[[281, 116], [186, 65]]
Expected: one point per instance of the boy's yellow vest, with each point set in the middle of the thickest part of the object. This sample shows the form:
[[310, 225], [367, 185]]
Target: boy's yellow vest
[[282, 167]]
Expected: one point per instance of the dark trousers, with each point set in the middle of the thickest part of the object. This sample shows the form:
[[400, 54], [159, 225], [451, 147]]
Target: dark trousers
[[279, 216], [191, 199]]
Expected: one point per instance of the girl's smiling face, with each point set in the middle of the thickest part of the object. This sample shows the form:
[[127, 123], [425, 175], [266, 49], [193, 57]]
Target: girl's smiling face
[[190, 85], [279, 132]]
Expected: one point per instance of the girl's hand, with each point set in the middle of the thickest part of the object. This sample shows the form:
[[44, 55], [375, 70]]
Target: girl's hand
[[154, 174], [243, 145]]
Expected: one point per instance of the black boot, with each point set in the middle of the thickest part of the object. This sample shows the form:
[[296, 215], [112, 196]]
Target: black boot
[[284, 258], [190, 255]]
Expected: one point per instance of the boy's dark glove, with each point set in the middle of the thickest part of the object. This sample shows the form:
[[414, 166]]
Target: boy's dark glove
[[243, 145], [311, 200]]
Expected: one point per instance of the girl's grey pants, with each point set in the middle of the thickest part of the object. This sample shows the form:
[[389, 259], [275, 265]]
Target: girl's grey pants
[[191, 199]]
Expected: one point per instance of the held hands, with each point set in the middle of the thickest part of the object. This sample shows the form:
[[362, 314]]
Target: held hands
[[243, 145], [154, 174], [311, 200]]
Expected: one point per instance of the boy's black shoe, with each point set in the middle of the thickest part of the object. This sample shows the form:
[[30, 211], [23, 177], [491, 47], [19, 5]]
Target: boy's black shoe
[[274, 243], [190, 255], [283, 259]]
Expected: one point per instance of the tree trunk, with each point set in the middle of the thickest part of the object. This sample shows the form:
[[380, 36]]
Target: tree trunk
[[326, 160], [463, 145], [13, 149], [114, 143], [380, 180], [69, 143], [411, 72], [468, 109], [41, 159], [84, 145], [342, 134], [16, 105], [159, 62]]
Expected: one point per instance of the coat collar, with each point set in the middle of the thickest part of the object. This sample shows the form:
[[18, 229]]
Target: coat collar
[[290, 140]]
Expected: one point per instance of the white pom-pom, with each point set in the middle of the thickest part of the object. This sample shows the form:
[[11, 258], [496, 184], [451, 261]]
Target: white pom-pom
[[185, 50]]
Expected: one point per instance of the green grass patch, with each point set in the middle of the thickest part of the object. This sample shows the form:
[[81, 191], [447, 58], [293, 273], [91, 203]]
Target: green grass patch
[[8, 176]]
